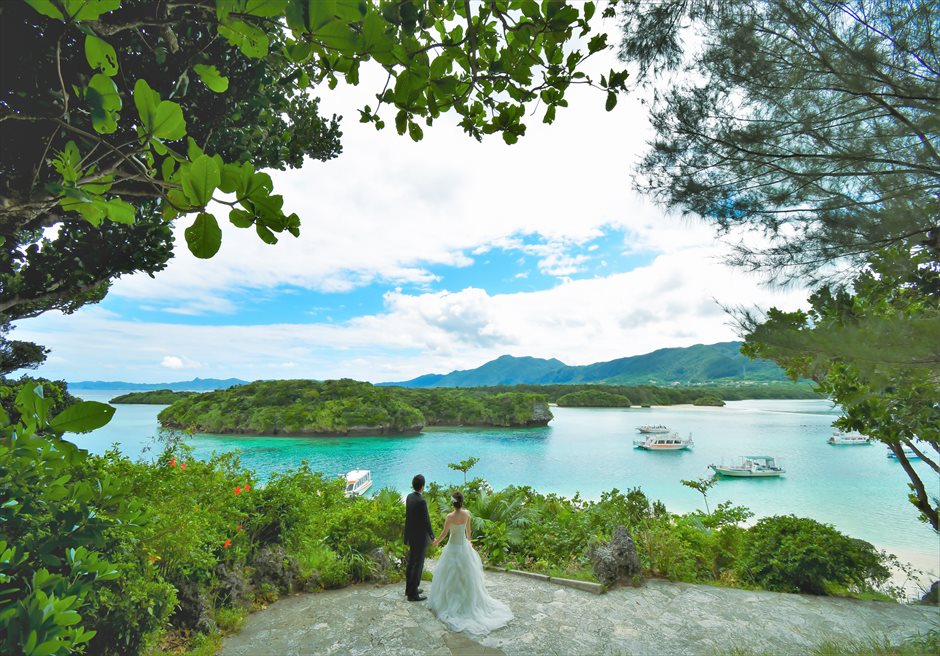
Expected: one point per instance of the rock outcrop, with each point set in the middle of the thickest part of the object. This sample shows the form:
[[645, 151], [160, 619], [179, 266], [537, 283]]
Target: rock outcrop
[[616, 561], [381, 565]]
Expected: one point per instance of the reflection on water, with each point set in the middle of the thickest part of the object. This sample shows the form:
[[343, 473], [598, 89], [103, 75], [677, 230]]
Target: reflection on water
[[856, 488]]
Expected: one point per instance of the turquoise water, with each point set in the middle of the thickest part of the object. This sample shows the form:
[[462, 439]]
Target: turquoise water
[[856, 488]]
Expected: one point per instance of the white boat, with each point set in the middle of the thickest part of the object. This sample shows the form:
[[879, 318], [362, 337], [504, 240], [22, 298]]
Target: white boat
[[357, 482], [750, 467], [664, 442], [908, 453], [648, 429], [849, 438]]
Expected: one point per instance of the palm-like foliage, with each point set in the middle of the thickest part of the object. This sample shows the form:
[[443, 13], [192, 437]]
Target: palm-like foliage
[[507, 507]]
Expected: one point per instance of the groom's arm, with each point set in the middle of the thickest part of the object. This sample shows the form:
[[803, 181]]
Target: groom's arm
[[427, 519]]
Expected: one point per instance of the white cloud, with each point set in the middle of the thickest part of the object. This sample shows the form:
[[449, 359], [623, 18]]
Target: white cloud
[[674, 301], [176, 362]]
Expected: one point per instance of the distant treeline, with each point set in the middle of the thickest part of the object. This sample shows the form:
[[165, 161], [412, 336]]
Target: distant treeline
[[348, 407], [596, 395], [153, 397]]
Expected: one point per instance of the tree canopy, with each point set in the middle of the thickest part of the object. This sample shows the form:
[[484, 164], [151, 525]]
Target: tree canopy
[[813, 122], [118, 117], [816, 124]]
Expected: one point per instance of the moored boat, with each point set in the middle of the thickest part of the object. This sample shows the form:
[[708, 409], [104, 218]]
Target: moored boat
[[664, 442], [908, 453], [750, 467], [649, 429], [357, 482], [848, 438]]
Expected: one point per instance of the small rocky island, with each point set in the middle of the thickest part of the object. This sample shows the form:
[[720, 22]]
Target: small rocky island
[[306, 408]]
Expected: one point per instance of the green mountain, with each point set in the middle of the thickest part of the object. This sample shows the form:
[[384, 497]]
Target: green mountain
[[702, 363]]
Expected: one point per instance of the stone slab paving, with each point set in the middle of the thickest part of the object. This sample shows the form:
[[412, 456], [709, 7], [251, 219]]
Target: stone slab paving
[[660, 618]]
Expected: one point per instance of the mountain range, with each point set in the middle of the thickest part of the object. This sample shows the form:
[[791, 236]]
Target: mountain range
[[702, 363]]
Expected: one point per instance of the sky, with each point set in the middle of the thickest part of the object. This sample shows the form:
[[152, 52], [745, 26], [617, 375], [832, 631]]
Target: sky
[[428, 257]]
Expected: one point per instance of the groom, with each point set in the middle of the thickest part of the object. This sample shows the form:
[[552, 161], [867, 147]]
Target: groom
[[418, 534]]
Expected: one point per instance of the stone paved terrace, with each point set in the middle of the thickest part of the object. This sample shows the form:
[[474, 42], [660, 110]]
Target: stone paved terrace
[[658, 618]]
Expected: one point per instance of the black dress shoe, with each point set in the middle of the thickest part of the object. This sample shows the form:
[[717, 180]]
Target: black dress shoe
[[420, 590], [418, 598]]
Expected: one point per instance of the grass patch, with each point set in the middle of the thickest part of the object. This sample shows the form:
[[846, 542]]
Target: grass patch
[[230, 620], [927, 644]]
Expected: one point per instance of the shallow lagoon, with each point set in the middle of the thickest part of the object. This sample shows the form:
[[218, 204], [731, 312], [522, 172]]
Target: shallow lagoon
[[588, 451]]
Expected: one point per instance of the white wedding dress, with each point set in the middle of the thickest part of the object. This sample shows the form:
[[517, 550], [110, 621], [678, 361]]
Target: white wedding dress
[[458, 594]]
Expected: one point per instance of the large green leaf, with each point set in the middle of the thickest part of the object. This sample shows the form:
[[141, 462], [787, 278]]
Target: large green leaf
[[266, 235], [82, 417], [241, 218], [46, 8], [120, 211], [89, 10], [146, 101], [104, 102], [249, 39], [201, 180], [204, 237], [100, 55], [265, 8], [211, 77], [169, 122]]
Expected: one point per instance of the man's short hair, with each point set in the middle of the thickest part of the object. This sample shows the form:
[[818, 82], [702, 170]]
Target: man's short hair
[[417, 482]]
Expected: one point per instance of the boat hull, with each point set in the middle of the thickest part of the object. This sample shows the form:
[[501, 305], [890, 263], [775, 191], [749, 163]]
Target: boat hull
[[746, 473], [838, 442], [663, 447]]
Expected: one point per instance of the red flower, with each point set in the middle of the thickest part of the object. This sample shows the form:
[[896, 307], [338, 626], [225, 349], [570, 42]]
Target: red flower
[[173, 461], [227, 544], [247, 487], [182, 465], [238, 490]]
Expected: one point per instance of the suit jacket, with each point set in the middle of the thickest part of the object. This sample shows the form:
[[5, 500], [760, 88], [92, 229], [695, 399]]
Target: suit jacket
[[418, 531]]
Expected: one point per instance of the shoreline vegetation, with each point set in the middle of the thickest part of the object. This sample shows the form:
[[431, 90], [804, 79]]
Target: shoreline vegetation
[[305, 408], [151, 397]]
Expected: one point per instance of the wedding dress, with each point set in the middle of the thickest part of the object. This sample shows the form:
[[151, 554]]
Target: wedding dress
[[458, 594]]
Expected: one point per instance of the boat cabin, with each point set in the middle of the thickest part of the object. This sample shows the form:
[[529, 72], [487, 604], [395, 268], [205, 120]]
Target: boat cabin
[[358, 481]]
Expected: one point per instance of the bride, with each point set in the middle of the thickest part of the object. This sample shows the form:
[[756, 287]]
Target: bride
[[458, 594]]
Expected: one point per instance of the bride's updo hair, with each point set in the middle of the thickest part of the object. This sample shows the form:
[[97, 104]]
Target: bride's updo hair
[[457, 500]]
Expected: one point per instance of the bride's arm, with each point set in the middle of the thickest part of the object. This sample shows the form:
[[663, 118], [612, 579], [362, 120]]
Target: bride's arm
[[469, 519], [443, 532]]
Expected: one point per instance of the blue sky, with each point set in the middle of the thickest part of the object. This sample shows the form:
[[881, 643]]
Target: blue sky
[[425, 258]]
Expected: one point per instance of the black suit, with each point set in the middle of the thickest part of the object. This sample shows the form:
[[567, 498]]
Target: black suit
[[418, 534]]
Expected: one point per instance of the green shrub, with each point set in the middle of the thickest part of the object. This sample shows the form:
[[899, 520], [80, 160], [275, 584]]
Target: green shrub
[[56, 514], [797, 554]]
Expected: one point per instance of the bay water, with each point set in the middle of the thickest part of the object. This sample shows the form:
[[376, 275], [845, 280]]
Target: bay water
[[590, 450]]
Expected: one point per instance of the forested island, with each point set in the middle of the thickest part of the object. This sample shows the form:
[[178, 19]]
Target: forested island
[[348, 407], [152, 397]]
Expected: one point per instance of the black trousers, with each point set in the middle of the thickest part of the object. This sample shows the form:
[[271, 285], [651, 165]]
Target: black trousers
[[414, 568]]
